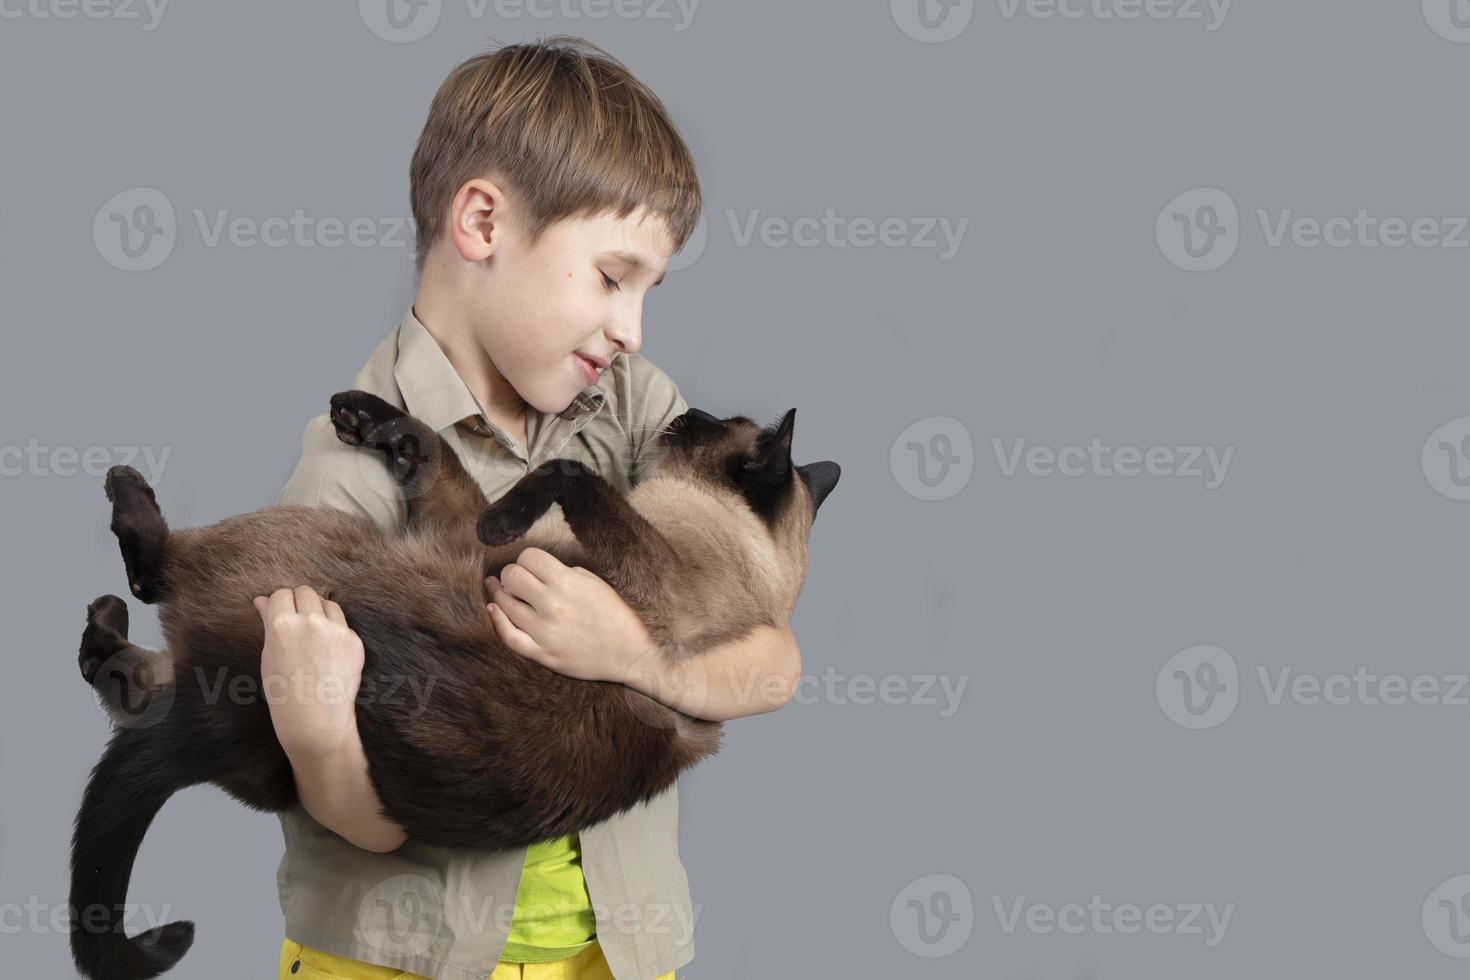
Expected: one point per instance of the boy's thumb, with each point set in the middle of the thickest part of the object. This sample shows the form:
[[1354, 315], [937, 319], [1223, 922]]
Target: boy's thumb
[[259, 603]]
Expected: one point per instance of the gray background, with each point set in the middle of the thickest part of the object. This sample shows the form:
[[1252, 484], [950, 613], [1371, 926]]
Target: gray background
[[1060, 319]]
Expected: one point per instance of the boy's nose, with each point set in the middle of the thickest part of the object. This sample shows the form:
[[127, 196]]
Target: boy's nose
[[628, 336]]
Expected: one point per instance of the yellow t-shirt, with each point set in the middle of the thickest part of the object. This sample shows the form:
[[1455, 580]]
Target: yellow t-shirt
[[553, 917]]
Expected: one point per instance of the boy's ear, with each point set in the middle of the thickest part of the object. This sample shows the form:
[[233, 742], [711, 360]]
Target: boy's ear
[[474, 226]]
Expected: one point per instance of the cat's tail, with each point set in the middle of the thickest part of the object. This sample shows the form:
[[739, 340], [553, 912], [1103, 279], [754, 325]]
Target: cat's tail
[[140, 769]]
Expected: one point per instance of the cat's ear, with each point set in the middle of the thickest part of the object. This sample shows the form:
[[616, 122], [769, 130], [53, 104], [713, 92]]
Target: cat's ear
[[771, 464]]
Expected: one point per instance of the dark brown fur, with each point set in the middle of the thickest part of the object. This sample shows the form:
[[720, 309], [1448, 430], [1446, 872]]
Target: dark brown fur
[[469, 744]]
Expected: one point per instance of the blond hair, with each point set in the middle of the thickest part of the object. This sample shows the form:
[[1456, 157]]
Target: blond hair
[[567, 126]]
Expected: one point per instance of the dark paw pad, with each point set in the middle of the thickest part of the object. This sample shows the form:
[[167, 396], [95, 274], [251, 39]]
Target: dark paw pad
[[106, 633], [123, 482], [508, 519], [357, 415]]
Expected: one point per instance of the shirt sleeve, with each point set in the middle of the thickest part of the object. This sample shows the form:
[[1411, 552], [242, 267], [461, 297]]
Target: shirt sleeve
[[333, 474], [654, 402]]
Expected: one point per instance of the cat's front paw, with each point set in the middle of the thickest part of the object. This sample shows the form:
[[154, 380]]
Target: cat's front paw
[[511, 516], [358, 415]]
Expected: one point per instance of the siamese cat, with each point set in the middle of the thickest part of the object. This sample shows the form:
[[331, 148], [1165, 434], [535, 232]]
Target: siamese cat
[[497, 751]]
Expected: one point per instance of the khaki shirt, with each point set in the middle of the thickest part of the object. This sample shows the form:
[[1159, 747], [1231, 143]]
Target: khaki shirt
[[441, 912]]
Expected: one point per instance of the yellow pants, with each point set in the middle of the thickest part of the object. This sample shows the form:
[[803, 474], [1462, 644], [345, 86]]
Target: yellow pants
[[300, 962]]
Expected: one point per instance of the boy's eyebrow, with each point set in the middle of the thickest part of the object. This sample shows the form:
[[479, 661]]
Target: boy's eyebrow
[[633, 260]]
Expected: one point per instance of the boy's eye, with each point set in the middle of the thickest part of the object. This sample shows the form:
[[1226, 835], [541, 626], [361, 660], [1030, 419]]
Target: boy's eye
[[609, 282]]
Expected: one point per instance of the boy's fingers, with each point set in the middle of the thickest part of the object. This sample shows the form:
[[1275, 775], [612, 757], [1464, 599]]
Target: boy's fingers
[[334, 611], [308, 602], [542, 564], [523, 584], [514, 637], [518, 612], [282, 601]]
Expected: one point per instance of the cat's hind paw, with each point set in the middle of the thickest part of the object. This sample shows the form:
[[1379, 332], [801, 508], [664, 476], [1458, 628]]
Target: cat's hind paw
[[357, 416], [106, 633]]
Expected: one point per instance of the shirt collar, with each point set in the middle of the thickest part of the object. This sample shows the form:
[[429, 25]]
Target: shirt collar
[[434, 392]]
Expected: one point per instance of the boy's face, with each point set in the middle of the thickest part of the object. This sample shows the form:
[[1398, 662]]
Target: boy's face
[[577, 293]]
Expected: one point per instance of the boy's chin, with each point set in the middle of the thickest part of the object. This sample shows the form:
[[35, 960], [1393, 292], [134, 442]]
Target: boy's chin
[[548, 397]]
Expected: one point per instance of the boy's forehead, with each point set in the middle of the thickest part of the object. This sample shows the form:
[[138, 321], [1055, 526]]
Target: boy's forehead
[[640, 238]]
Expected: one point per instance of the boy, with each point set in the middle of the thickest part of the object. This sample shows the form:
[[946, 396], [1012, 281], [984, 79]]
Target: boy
[[549, 188]]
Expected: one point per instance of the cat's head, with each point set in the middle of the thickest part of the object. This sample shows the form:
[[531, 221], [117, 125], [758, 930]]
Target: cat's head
[[739, 457]]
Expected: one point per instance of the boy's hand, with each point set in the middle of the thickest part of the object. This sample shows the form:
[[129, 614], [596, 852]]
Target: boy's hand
[[311, 670], [568, 619]]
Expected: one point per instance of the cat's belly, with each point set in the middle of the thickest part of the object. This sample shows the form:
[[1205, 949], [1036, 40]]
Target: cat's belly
[[552, 533]]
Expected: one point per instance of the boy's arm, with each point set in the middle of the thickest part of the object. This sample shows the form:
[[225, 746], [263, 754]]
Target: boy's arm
[[573, 622], [749, 676], [323, 746]]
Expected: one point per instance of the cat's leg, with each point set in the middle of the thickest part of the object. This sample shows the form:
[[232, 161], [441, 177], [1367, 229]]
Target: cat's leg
[[620, 543], [131, 682], [141, 531], [440, 495]]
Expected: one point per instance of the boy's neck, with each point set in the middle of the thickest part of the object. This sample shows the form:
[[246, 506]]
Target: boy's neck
[[503, 405]]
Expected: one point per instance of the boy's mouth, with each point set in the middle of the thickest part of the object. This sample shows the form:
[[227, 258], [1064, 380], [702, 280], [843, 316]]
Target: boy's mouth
[[590, 368]]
